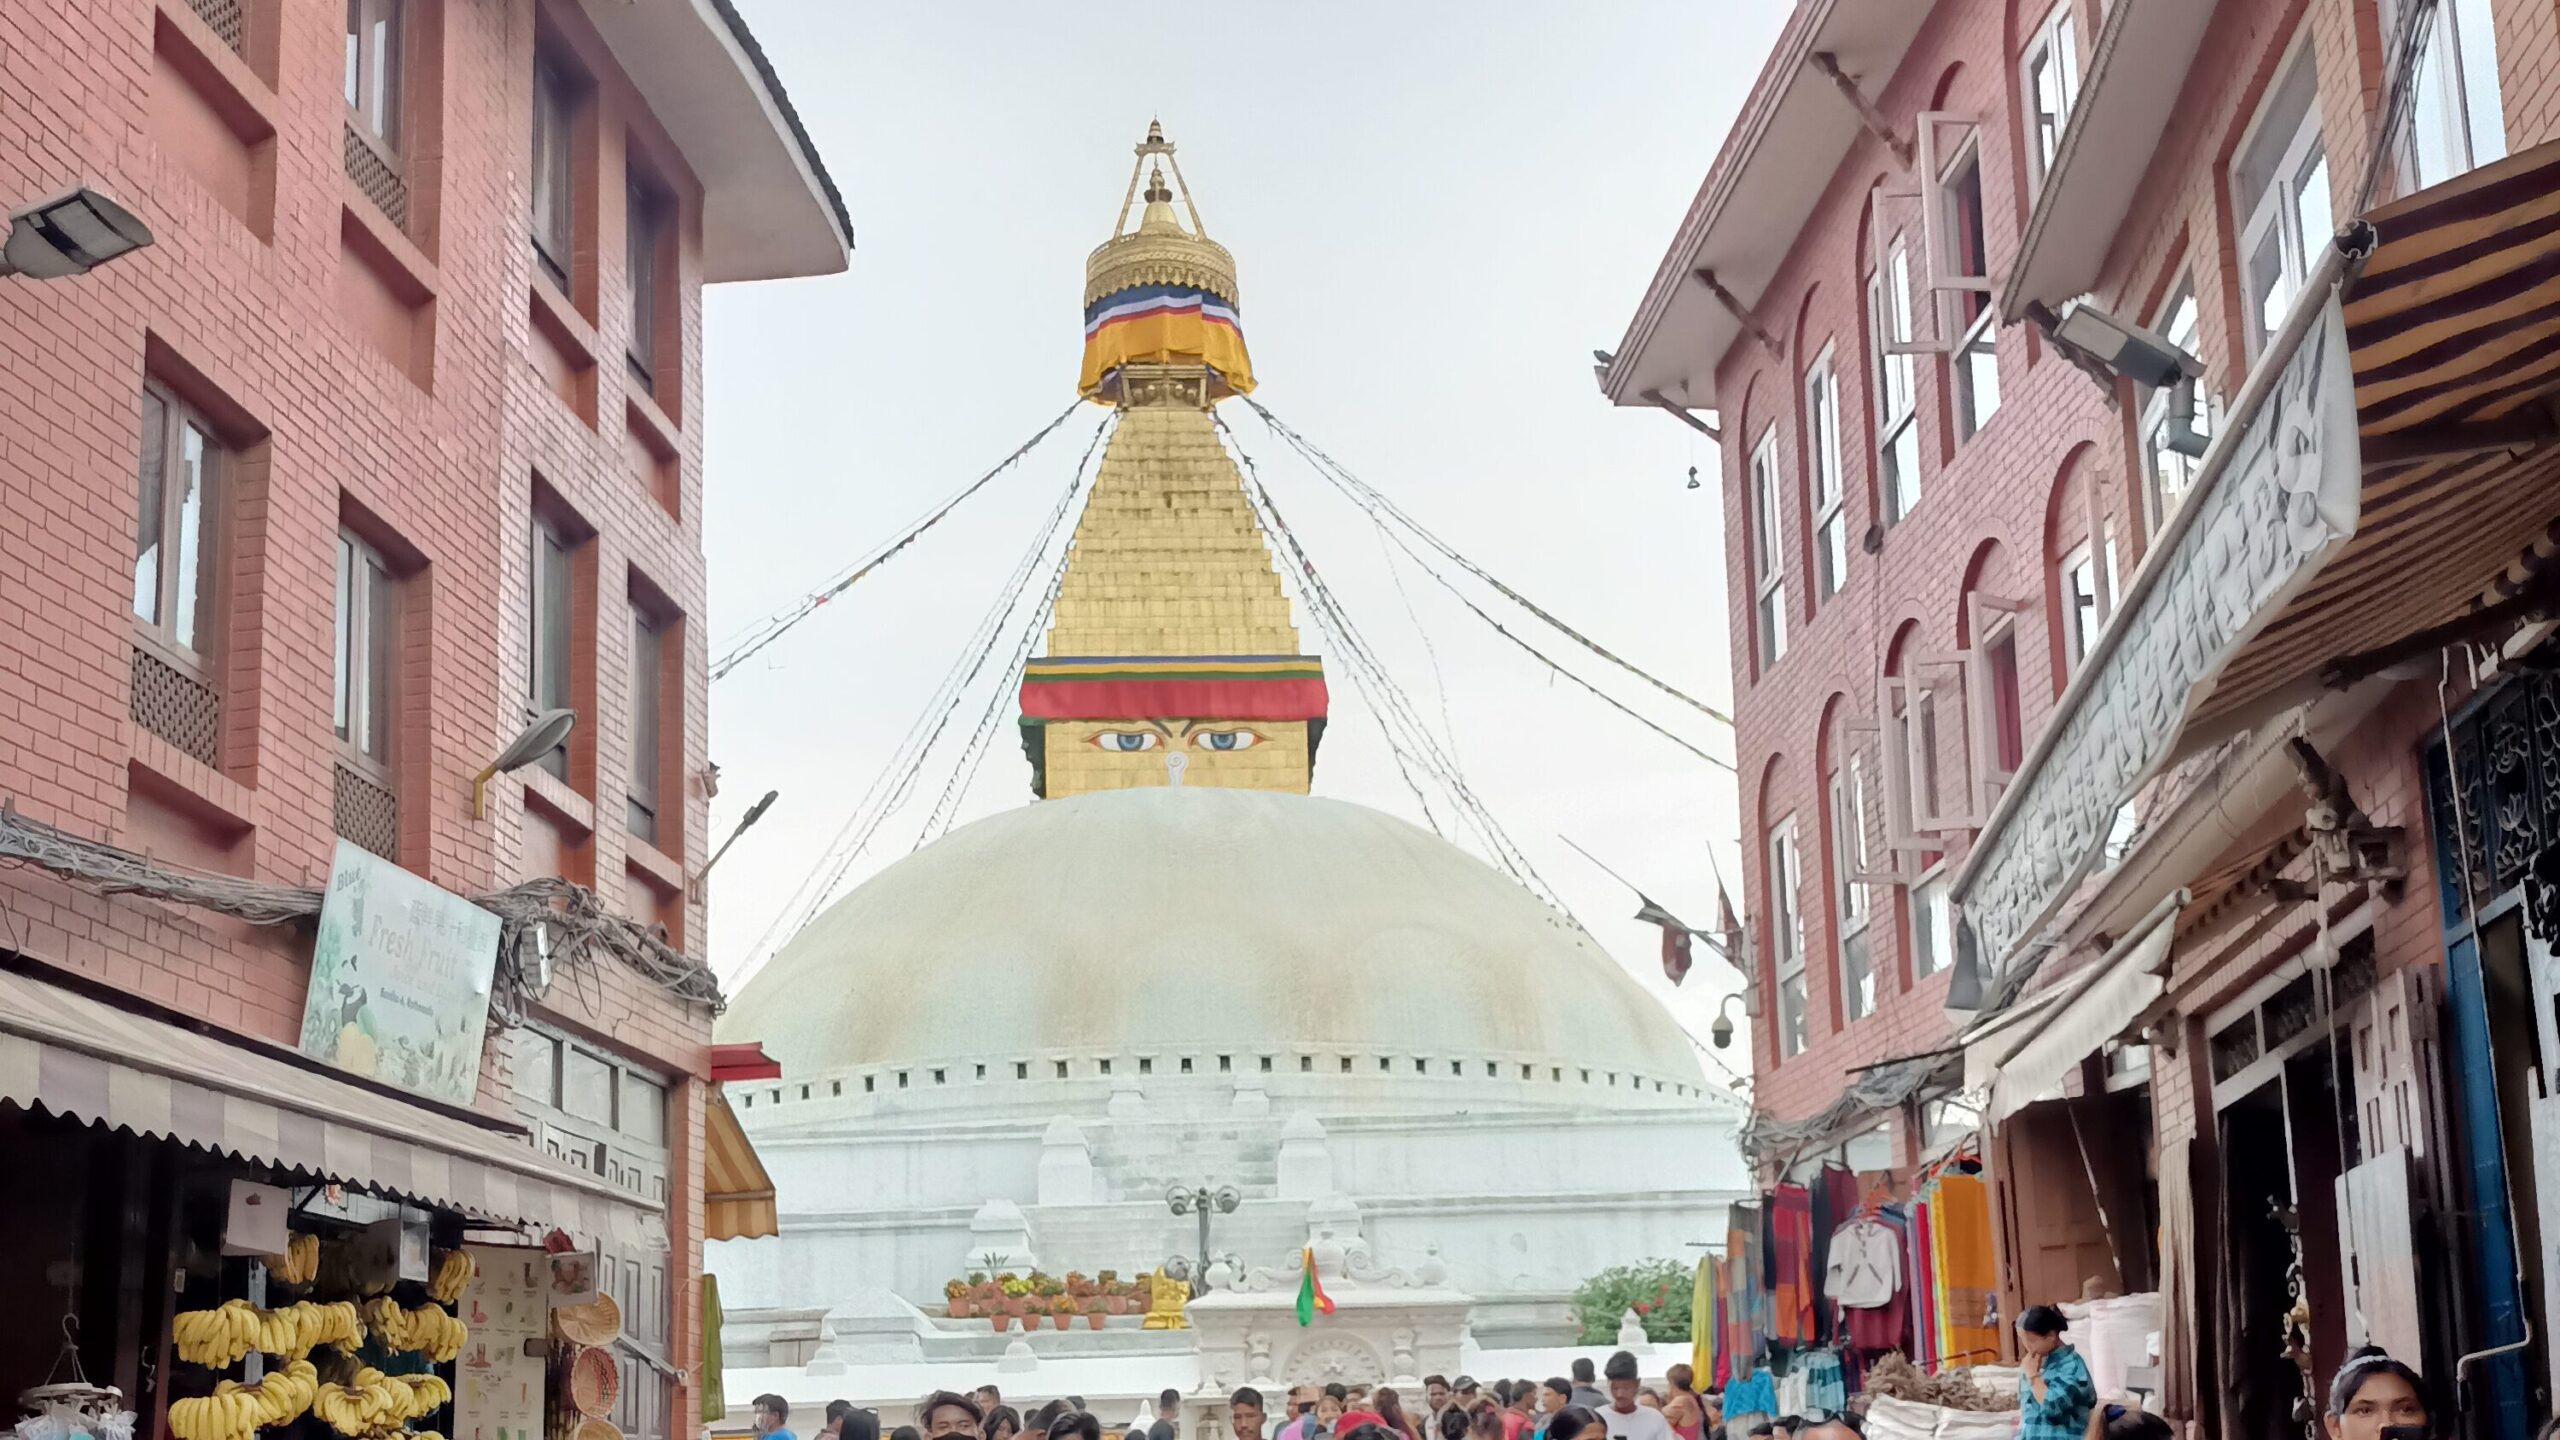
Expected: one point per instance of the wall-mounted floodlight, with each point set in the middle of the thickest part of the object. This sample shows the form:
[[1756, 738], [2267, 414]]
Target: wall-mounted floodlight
[[72, 233], [2129, 350], [536, 740]]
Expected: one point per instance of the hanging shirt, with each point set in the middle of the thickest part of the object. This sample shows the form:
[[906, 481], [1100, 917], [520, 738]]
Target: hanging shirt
[[1865, 1266]]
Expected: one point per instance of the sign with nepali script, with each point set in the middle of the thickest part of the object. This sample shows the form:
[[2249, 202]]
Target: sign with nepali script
[[399, 979]]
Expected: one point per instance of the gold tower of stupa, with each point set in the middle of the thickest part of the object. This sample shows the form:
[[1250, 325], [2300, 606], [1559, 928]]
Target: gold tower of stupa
[[1170, 657]]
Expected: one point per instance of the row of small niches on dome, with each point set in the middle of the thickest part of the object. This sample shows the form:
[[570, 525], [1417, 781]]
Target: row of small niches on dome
[[1103, 1069]]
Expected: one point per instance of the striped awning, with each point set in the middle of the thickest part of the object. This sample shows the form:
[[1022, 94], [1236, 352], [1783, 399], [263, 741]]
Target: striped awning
[[737, 1195], [83, 1058], [2453, 332]]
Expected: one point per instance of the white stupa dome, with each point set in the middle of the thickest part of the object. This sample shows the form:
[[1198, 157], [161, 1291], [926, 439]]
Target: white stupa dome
[[1200, 930]]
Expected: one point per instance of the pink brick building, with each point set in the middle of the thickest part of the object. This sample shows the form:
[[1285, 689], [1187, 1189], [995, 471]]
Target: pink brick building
[[2024, 641], [391, 440]]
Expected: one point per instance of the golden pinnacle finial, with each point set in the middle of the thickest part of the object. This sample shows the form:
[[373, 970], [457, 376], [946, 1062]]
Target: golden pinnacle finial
[[1155, 143], [1157, 194]]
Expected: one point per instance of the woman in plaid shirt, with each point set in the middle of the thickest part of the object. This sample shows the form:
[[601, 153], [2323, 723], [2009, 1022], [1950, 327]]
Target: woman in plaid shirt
[[2055, 1393]]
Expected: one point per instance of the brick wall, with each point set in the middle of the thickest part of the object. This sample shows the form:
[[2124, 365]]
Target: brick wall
[[387, 375], [1997, 510]]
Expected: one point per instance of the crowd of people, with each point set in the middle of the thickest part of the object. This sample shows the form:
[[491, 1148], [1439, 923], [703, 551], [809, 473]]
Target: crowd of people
[[2372, 1397]]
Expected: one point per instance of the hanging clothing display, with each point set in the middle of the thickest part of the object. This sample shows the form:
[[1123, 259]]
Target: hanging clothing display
[[1791, 1392], [1789, 1225], [1826, 1388], [1746, 1302], [1754, 1394], [1924, 1285], [1704, 1342], [1835, 1203], [1862, 1268], [1873, 1329], [1970, 1274]]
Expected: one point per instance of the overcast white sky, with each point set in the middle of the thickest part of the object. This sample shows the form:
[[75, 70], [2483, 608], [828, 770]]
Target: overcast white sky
[[1438, 210]]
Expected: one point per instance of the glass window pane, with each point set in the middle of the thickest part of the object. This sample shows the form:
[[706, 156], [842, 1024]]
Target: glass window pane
[[342, 693], [644, 1109], [188, 622], [150, 503], [382, 659], [2311, 207], [2433, 117], [586, 1086], [2268, 292], [535, 1059], [1902, 468], [645, 703], [2476, 43]]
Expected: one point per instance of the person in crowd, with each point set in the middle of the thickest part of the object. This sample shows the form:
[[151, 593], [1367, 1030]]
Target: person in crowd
[[1301, 1423], [1834, 1427], [1244, 1413], [948, 1413], [1765, 1430], [1649, 1398], [1484, 1420], [1435, 1398], [1168, 1416], [1368, 1431], [836, 1411], [1787, 1426], [1625, 1419], [1043, 1419], [1463, 1391], [1685, 1418], [2371, 1392], [1454, 1424], [1574, 1422], [1003, 1423], [1331, 1402], [1586, 1386], [1075, 1425], [773, 1418], [1390, 1408], [859, 1424], [2128, 1422], [2055, 1393], [989, 1397], [1553, 1397], [906, 1432]]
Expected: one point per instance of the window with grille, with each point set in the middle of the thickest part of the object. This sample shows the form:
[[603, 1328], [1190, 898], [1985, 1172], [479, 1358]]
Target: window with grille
[[2280, 185], [1769, 552], [364, 698], [373, 69], [648, 647], [1786, 935], [1897, 428], [1822, 462], [2050, 76], [179, 478], [555, 103]]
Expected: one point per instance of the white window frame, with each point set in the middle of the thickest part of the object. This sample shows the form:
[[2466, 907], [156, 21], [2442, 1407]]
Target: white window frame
[[1933, 939], [2159, 498], [1980, 332], [2456, 118], [1769, 554], [1938, 241], [175, 576], [1932, 697], [2054, 52], [1847, 787], [1823, 472], [2288, 127], [1786, 936], [375, 80], [364, 716], [1896, 385], [2088, 599], [1992, 621]]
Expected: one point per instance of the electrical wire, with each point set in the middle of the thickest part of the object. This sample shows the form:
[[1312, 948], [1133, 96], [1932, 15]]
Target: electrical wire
[[895, 783], [1334, 471], [745, 644]]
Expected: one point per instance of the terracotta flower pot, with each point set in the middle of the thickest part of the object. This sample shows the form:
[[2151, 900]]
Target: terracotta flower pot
[[960, 1307], [1000, 1320], [1093, 1319]]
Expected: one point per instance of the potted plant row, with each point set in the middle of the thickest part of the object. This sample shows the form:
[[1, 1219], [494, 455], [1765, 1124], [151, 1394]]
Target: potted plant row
[[1006, 1297]]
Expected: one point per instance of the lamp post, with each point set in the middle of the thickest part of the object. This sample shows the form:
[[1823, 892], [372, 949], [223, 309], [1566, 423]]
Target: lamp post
[[1201, 1200], [68, 234]]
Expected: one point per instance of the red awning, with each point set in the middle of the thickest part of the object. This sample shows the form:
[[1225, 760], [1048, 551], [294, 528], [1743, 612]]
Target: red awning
[[744, 1061]]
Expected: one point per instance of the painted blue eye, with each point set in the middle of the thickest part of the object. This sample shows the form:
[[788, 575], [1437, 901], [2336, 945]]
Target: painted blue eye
[[1227, 740], [1127, 740]]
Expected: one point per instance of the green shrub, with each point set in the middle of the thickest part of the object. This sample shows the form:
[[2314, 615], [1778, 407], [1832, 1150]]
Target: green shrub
[[1657, 1290]]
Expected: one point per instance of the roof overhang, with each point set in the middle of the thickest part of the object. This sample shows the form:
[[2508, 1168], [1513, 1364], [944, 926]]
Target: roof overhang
[[2022, 1063], [1794, 131], [737, 1194], [743, 1060], [2392, 456], [769, 208], [2137, 70]]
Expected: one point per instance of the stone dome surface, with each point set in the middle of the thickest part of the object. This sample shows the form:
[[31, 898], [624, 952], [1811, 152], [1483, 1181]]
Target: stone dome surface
[[1167, 921]]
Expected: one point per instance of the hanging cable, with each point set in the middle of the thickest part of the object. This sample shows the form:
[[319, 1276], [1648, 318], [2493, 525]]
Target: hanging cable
[[754, 638], [1394, 708], [1369, 497], [946, 806], [890, 789]]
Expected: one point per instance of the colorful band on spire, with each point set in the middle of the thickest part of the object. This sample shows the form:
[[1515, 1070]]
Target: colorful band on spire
[[1158, 324], [1250, 687]]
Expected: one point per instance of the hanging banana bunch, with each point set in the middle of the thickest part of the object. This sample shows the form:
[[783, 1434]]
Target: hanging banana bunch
[[299, 1264], [454, 1269], [426, 1328], [378, 1402], [234, 1411], [216, 1337]]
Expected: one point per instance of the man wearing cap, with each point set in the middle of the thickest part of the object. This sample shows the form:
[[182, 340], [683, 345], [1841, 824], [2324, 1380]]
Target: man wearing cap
[[1626, 1419]]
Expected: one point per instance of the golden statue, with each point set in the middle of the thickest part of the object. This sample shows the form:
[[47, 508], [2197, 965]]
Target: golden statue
[[1164, 1307]]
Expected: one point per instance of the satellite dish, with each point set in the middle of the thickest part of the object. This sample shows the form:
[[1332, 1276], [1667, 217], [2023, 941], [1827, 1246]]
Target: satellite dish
[[532, 743]]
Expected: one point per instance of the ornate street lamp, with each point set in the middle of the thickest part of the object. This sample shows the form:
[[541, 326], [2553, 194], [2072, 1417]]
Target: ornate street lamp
[[1202, 1201]]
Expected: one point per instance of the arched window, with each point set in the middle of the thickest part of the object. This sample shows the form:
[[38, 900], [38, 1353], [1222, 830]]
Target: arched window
[[1783, 883], [1847, 807]]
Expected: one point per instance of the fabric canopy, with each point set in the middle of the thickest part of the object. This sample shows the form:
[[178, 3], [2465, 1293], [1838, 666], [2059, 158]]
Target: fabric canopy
[[737, 1194], [89, 1060], [2023, 1063]]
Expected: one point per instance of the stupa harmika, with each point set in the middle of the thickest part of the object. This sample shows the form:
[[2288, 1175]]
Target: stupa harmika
[[1180, 966]]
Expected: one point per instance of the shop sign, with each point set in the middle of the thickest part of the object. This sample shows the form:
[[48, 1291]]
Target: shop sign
[[499, 1386], [2285, 498], [400, 979]]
